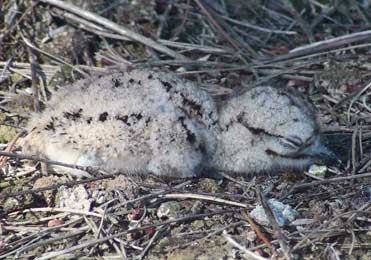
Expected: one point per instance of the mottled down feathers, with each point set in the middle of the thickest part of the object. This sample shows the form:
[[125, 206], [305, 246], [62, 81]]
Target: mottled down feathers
[[143, 121]]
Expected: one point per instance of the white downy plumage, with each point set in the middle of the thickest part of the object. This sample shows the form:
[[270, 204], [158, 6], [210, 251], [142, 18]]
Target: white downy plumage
[[143, 121]]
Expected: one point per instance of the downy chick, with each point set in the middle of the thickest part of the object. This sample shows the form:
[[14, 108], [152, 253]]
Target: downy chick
[[144, 121]]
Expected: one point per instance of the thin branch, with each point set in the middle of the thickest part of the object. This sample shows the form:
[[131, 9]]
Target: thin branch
[[337, 179], [114, 27], [202, 197]]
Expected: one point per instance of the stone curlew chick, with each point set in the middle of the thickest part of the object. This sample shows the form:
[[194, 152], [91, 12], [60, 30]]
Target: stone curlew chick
[[144, 121]]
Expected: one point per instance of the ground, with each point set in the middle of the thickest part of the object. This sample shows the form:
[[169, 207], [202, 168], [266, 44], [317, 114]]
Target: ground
[[225, 46]]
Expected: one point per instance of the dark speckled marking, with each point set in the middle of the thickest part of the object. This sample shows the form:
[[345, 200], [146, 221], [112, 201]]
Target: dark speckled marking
[[167, 85], [148, 120], [50, 126], [137, 116], [103, 117], [72, 115], [194, 106], [202, 149], [116, 83], [190, 136], [123, 119]]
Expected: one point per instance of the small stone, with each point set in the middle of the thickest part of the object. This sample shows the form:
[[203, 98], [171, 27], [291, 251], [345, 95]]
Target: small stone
[[250, 236], [198, 224], [283, 213], [74, 198], [135, 214], [169, 210], [210, 186], [11, 204], [55, 222], [48, 195], [317, 170]]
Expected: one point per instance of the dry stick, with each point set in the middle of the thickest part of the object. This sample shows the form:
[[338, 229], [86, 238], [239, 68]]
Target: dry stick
[[184, 20], [354, 140], [150, 243], [251, 255], [202, 197], [147, 196], [44, 242], [258, 28], [52, 210], [303, 24], [216, 24], [163, 18], [257, 230], [29, 44], [104, 239], [9, 147], [23, 240], [35, 90], [212, 233], [54, 187], [356, 97], [325, 13], [314, 232], [8, 31], [323, 45], [101, 31], [114, 27], [88, 169], [338, 179], [277, 232]]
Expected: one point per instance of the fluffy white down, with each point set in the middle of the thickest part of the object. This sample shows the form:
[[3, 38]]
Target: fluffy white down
[[144, 121], [255, 127], [137, 122]]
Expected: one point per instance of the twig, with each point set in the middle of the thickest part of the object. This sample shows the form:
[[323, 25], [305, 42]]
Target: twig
[[4, 195], [216, 24], [304, 25], [202, 197], [354, 152], [242, 248], [337, 179], [184, 20], [29, 44], [257, 230], [104, 239], [150, 243], [9, 148], [89, 169], [277, 232], [258, 28], [52, 210], [114, 27], [324, 45], [35, 90], [148, 196], [211, 234]]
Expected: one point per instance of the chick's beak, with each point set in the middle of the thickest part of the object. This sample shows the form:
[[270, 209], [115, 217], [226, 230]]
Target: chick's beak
[[326, 156]]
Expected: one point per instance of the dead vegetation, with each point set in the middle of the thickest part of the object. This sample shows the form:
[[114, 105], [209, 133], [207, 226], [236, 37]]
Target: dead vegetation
[[320, 48]]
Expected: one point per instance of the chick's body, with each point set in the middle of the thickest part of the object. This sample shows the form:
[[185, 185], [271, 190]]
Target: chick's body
[[142, 121], [135, 122]]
